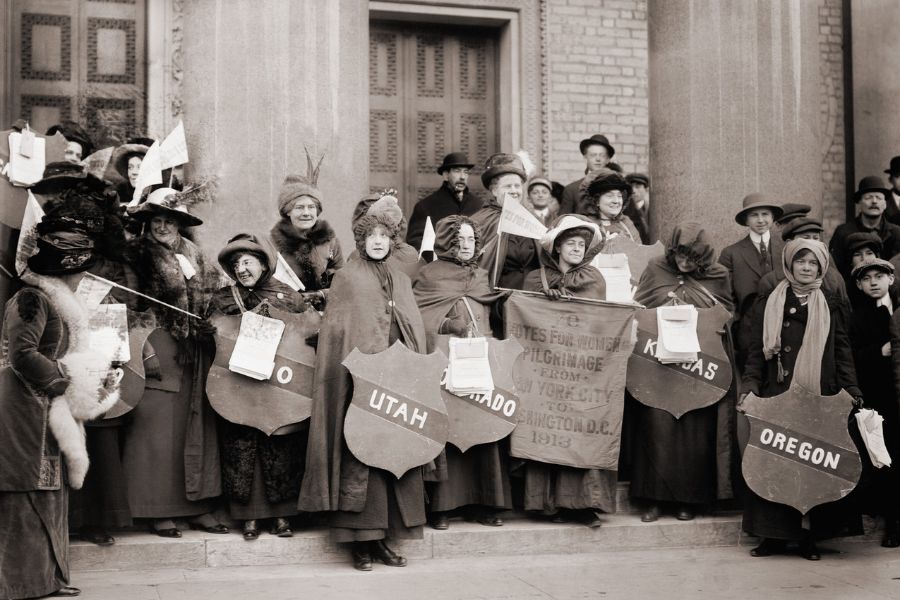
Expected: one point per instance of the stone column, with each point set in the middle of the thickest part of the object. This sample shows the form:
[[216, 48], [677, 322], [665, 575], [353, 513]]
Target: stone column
[[737, 104], [260, 81]]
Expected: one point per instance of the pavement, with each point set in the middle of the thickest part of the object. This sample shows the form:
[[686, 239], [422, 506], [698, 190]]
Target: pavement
[[847, 571]]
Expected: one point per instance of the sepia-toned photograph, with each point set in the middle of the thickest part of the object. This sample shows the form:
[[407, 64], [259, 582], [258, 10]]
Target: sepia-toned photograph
[[449, 299]]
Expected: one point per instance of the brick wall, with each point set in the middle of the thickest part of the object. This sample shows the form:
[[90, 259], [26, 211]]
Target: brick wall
[[832, 90], [597, 58]]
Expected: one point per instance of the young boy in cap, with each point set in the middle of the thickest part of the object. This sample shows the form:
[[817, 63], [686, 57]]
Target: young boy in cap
[[638, 209], [750, 258], [860, 247], [870, 338], [871, 200]]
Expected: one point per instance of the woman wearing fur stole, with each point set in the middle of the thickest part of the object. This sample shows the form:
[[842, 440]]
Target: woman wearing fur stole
[[51, 379], [171, 451], [261, 473], [305, 241]]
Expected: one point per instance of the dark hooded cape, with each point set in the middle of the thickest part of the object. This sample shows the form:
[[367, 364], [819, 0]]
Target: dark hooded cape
[[358, 315]]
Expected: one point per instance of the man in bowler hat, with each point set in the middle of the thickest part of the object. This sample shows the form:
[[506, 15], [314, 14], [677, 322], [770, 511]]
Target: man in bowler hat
[[871, 200], [892, 212], [750, 258], [597, 152], [452, 198]]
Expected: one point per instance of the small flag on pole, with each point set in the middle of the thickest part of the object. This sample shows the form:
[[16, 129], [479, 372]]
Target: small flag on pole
[[428, 238], [25, 248], [516, 220], [150, 173], [286, 275], [173, 151]]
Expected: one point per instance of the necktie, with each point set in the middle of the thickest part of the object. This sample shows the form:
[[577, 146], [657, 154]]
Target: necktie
[[763, 254]]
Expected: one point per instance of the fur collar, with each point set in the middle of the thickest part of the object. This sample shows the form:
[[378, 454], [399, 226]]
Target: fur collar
[[88, 395], [287, 239]]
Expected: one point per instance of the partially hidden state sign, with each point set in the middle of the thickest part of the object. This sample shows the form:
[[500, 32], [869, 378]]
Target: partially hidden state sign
[[133, 381], [283, 399], [638, 254], [800, 452], [397, 419], [482, 418], [570, 379], [680, 387]]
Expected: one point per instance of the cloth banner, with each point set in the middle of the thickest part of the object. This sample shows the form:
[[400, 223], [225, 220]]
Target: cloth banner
[[570, 379], [517, 220]]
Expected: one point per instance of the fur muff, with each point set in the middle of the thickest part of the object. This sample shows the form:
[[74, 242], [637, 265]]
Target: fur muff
[[89, 393]]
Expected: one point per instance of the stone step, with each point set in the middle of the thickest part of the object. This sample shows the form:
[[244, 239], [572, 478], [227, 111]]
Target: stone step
[[519, 536]]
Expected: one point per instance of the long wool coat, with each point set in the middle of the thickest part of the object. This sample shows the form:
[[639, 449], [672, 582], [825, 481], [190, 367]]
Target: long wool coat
[[367, 299], [779, 521]]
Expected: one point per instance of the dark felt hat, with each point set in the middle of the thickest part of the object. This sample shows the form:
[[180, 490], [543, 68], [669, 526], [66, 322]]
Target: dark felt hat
[[597, 139], [869, 264], [757, 200], [800, 225], [641, 178], [246, 243], [502, 164], [894, 169], [870, 183], [862, 239], [454, 159], [59, 176], [606, 180], [791, 211], [73, 132], [123, 153], [63, 248], [164, 202]]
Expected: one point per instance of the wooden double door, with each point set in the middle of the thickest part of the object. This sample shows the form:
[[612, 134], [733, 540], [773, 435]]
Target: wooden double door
[[83, 60], [432, 91]]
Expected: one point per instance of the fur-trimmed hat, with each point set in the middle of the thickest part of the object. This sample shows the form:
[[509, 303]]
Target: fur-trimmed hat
[[366, 224], [295, 186], [502, 164]]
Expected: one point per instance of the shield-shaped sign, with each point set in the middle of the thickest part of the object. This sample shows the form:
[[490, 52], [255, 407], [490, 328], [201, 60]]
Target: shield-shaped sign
[[286, 397], [397, 419], [800, 452], [638, 254], [133, 381], [681, 387], [478, 418]]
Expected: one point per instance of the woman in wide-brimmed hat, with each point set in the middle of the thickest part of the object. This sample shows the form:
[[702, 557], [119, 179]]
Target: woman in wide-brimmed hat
[[127, 160], [53, 381], [504, 176], [171, 451]]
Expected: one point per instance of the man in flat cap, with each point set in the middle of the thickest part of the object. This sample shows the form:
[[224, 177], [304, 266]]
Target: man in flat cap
[[452, 198], [597, 152]]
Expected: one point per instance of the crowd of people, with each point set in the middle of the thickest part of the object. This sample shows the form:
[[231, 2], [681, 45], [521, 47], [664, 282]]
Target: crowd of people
[[801, 312]]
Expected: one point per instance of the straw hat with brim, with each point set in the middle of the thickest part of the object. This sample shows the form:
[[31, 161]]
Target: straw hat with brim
[[566, 222], [502, 164], [801, 225], [791, 211], [123, 153], [63, 253], [59, 176], [754, 201], [164, 202], [872, 183]]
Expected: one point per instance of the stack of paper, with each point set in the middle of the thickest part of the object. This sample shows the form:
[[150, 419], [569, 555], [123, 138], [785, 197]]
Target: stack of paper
[[26, 158], [617, 275], [256, 346], [677, 327], [469, 370], [108, 327]]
